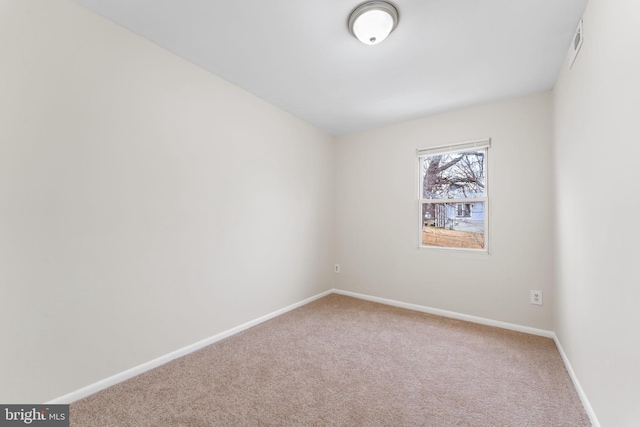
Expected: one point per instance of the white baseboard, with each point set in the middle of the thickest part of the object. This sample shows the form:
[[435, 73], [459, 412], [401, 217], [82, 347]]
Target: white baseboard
[[137, 370], [450, 314], [583, 397], [483, 321]]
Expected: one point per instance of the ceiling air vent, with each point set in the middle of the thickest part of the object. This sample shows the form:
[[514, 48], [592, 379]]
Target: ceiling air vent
[[575, 45]]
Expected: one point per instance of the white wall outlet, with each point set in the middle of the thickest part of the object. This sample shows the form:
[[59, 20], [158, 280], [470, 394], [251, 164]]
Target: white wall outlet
[[536, 297], [336, 268]]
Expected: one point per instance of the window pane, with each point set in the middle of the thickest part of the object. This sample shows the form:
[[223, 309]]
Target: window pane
[[441, 226], [455, 175]]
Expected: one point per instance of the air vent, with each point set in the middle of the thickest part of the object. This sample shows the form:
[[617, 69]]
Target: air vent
[[576, 44]]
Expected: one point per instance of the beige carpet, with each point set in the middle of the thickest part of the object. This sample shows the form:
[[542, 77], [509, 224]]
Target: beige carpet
[[340, 361]]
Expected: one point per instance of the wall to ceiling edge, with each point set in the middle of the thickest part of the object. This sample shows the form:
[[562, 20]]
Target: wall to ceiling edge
[[145, 204], [377, 214]]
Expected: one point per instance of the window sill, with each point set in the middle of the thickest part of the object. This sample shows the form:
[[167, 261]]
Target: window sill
[[456, 252]]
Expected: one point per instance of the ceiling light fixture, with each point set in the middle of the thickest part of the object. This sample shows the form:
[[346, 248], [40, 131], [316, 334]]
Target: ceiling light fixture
[[373, 21]]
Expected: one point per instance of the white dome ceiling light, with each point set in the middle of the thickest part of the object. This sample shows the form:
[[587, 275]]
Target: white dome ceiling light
[[373, 21]]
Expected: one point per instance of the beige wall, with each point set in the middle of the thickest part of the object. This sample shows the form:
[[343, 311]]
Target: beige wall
[[597, 152], [377, 215], [144, 203]]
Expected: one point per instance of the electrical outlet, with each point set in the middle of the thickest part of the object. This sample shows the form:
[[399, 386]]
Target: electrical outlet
[[336, 268], [536, 297]]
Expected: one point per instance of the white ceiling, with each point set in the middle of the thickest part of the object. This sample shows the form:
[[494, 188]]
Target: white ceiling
[[299, 55]]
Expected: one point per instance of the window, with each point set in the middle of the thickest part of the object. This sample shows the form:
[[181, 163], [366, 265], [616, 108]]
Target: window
[[453, 205], [464, 209]]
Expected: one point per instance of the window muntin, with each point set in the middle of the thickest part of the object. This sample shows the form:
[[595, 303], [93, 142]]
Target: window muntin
[[453, 196]]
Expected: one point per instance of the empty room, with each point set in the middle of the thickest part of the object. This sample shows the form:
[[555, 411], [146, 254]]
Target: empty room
[[332, 213]]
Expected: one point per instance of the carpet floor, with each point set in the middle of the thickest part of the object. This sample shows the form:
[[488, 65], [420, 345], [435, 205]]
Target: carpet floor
[[341, 361]]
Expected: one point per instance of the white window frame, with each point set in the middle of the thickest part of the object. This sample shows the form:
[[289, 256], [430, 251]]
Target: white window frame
[[484, 143]]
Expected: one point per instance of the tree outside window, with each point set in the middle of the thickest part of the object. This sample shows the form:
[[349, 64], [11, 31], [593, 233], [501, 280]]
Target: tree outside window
[[453, 199]]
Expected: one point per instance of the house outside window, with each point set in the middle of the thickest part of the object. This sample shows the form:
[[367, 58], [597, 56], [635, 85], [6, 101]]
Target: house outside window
[[453, 196]]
